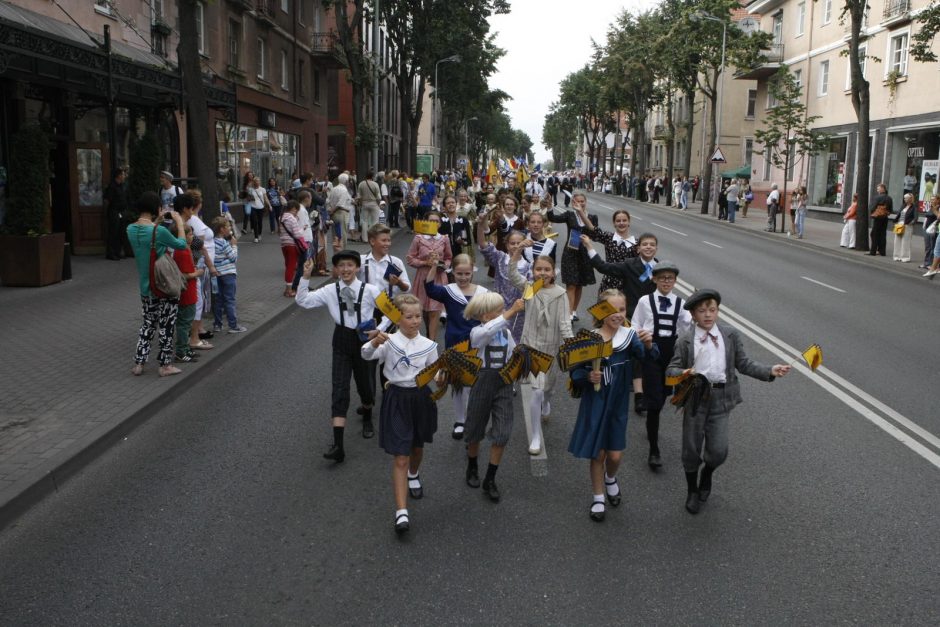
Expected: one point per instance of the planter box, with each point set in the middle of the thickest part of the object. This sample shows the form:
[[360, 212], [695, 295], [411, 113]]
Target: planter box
[[31, 261]]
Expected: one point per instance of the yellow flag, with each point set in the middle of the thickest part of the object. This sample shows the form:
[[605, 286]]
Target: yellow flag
[[426, 227], [601, 310], [387, 307], [522, 176], [813, 356], [491, 172], [531, 290], [469, 171]]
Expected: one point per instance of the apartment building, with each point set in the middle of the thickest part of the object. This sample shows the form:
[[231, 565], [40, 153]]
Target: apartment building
[[811, 40], [262, 62]]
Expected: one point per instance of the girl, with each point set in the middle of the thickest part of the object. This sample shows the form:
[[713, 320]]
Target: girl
[[258, 199], [292, 244], [547, 324], [490, 397], [408, 418], [455, 227], [537, 244], [245, 194], [618, 246], [499, 261], [431, 257], [455, 298], [576, 271], [800, 219], [600, 432], [275, 201]]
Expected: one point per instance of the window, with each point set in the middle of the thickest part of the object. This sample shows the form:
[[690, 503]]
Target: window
[[862, 60], [260, 58], [201, 28], [316, 86], [234, 43], [768, 162], [823, 78], [285, 71], [301, 14], [771, 100], [102, 6], [748, 150], [800, 18], [751, 104], [316, 148], [827, 12], [300, 78], [285, 6], [778, 27], [897, 55], [158, 11], [798, 78]]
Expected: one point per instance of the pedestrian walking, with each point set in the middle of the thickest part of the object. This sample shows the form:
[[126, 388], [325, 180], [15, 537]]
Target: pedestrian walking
[[799, 221], [731, 196], [713, 354], [276, 203], [848, 229], [930, 230], [600, 430], [116, 207], [369, 197], [882, 209], [408, 416]]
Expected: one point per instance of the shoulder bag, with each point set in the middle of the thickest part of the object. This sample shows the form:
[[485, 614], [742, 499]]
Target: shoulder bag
[[166, 280]]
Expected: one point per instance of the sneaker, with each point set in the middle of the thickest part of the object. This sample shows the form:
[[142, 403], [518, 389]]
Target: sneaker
[[238, 329], [931, 272], [256, 240], [574, 317], [217, 328]]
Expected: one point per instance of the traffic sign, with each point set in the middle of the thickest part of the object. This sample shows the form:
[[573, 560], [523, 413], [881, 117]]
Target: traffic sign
[[577, 163], [462, 163], [718, 156]]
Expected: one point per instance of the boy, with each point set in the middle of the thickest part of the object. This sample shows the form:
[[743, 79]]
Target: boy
[[226, 254], [350, 303], [661, 314], [712, 352], [188, 298], [636, 275]]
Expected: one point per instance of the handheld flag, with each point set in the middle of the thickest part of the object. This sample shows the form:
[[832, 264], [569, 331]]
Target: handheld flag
[[601, 310], [469, 171], [532, 289], [813, 356], [387, 307], [552, 235], [426, 227], [523, 361], [491, 172]]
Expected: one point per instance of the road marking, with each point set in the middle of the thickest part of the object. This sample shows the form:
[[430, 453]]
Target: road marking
[[666, 228], [888, 420], [823, 284], [710, 244]]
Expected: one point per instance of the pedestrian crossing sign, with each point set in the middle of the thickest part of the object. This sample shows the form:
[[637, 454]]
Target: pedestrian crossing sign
[[718, 156]]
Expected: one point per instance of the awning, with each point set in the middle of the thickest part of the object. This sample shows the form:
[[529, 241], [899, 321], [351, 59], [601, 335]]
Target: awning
[[744, 172]]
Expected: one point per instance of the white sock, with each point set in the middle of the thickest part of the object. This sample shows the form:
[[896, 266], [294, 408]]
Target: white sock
[[546, 403], [460, 407], [598, 505], [413, 481], [535, 411], [401, 512], [611, 484]]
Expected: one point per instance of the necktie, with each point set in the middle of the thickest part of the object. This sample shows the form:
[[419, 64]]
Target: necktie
[[349, 299], [500, 339], [663, 303], [714, 339], [648, 273]]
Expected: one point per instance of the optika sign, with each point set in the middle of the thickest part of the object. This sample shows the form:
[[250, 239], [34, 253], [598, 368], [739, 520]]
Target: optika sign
[[915, 152]]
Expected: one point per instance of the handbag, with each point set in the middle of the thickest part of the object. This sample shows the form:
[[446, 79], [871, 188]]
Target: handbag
[[166, 280], [881, 211], [932, 229], [899, 229], [301, 243]]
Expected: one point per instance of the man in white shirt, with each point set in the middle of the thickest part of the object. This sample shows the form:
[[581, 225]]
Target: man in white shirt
[[773, 205]]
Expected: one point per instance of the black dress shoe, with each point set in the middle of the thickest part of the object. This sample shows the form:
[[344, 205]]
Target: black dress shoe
[[473, 479], [401, 524], [490, 490], [336, 453], [655, 461], [206, 335], [368, 430], [361, 410], [692, 504], [639, 406], [416, 493], [703, 495], [457, 433], [613, 499], [596, 516]]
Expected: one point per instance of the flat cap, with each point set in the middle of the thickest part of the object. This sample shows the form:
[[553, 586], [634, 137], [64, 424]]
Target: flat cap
[[666, 266], [347, 254], [700, 296]]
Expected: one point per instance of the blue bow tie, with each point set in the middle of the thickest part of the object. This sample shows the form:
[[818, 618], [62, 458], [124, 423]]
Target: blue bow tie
[[663, 303]]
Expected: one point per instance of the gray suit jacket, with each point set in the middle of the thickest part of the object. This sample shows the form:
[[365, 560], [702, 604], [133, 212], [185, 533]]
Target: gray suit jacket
[[735, 358]]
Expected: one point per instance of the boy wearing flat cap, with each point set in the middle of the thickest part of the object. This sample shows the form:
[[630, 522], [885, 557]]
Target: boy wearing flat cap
[[661, 313], [350, 303], [711, 353]]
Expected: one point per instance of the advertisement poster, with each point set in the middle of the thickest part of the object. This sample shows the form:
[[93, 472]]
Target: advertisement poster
[[928, 182]]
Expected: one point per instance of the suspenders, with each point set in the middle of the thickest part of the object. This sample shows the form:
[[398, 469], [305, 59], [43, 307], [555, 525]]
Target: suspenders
[[357, 307], [673, 317]]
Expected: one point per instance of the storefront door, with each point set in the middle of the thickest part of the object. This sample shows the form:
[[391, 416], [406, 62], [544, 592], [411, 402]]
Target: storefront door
[[88, 178]]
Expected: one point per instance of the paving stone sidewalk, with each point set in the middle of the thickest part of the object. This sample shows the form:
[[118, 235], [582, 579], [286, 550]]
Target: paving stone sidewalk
[[66, 352]]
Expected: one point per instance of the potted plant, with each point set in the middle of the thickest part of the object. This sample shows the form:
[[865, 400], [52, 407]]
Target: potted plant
[[30, 256]]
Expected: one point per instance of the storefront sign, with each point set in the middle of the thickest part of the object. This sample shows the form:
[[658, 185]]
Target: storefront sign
[[928, 182]]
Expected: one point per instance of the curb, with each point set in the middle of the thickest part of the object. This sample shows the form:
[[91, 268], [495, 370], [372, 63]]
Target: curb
[[45, 481]]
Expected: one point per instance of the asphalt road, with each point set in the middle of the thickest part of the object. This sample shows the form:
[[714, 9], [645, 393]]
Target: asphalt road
[[221, 510]]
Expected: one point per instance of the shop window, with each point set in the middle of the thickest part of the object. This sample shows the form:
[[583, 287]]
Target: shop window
[[897, 55], [260, 58], [265, 152], [827, 175], [823, 78], [913, 164], [751, 104]]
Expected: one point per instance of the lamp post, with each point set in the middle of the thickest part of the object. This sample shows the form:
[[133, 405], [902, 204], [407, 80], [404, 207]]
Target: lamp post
[[434, 130], [704, 15], [466, 138]]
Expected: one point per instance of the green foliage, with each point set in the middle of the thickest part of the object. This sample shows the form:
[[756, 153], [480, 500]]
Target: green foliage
[[583, 96], [28, 202], [146, 160], [559, 133], [921, 42], [788, 135]]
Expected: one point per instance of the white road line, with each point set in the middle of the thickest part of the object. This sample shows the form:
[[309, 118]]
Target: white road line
[[710, 244], [666, 228], [823, 284], [840, 388]]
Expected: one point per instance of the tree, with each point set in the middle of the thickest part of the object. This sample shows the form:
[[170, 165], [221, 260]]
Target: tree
[[787, 135], [929, 20], [854, 10], [199, 131], [582, 94], [558, 135]]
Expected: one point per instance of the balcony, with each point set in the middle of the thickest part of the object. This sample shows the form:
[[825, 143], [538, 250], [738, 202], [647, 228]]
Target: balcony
[[896, 11], [659, 131], [242, 5], [265, 12], [325, 50], [773, 57]]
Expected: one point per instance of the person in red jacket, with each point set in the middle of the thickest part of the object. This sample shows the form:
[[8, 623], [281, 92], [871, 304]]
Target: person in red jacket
[[188, 298]]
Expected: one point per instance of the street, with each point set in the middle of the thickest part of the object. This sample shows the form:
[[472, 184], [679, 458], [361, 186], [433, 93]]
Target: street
[[221, 510]]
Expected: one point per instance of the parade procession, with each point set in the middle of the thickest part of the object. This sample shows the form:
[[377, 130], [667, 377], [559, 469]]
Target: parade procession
[[364, 312]]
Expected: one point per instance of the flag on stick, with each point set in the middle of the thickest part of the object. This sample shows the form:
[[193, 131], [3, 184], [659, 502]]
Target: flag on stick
[[491, 172], [813, 356]]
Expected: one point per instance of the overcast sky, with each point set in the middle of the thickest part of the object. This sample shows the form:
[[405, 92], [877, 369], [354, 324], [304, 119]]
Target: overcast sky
[[545, 40]]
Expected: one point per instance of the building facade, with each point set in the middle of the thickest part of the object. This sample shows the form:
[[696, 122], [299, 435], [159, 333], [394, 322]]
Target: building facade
[[812, 41]]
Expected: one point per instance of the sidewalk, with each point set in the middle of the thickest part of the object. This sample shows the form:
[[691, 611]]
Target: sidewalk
[[817, 233], [67, 350]]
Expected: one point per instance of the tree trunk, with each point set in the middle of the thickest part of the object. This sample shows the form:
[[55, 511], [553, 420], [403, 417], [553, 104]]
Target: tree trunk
[[689, 126], [706, 183], [198, 131], [670, 147], [639, 151], [861, 104]]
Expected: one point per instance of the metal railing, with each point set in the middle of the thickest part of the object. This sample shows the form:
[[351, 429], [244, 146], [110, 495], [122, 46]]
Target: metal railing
[[323, 42], [896, 8], [774, 53]]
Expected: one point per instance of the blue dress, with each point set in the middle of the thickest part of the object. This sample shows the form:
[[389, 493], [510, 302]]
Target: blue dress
[[602, 416], [458, 327]]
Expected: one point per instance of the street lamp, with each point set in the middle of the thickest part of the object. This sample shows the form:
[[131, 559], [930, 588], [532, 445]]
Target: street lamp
[[704, 15], [466, 136], [455, 58]]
